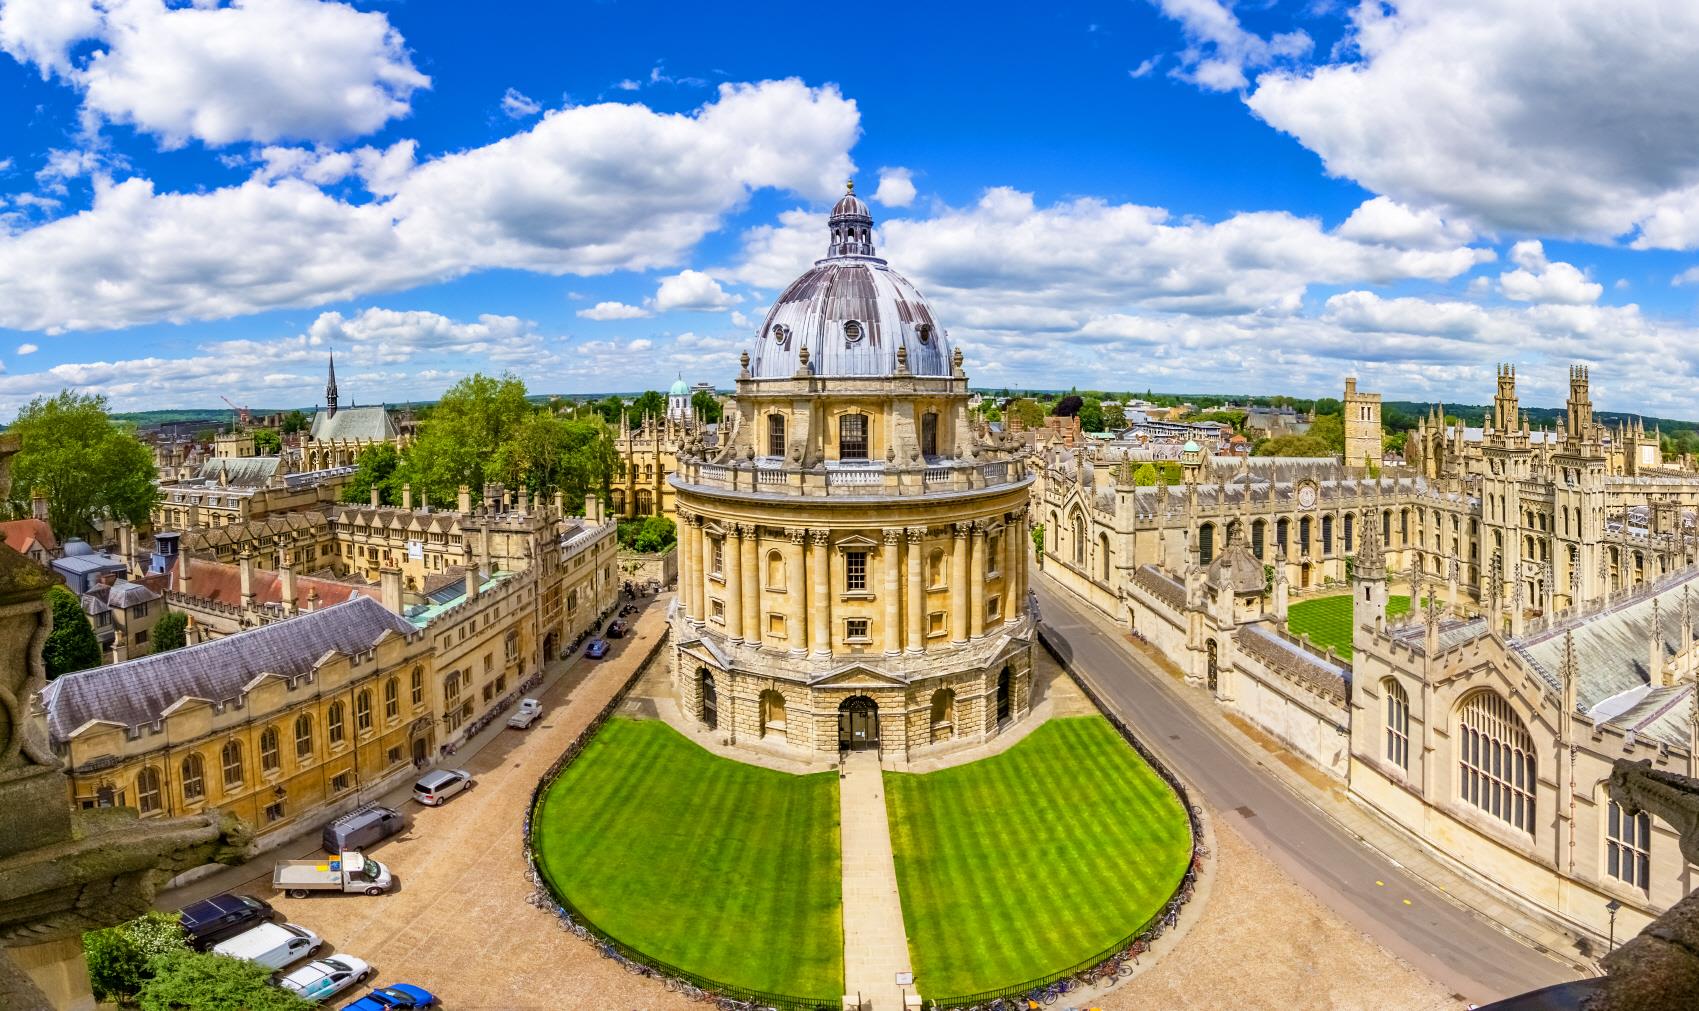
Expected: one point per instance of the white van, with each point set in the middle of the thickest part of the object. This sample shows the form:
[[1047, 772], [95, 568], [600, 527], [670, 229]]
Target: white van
[[273, 945]]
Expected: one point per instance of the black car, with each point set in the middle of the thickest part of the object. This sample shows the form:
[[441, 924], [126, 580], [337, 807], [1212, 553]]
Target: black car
[[210, 921], [617, 630]]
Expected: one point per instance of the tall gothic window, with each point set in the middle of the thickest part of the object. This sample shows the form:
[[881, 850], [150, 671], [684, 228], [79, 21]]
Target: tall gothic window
[[1350, 532], [1326, 535], [303, 736], [194, 777], [776, 435], [363, 711], [418, 685], [1257, 530], [1282, 531], [334, 721], [1496, 770], [392, 699], [1397, 723], [270, 759], [1079, 540], [852, 437], [232, 760], [1304, 535], [1628, 846], [1206, 544]]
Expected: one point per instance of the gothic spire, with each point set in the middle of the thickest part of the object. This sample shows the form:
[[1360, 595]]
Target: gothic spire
[[330, 388]]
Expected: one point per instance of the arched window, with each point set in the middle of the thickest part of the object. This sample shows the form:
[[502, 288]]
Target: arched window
[[1304, 535], [1628, 846], [392, 698], [1386, 528], [231, 757], [270, 759], [363, 711], [194, 777], [1078, 527], [852, 437], [334, 719], [1258, 532], [1496, 766], [776, 435], [1350, 532], [929, 435], [1403, 526], [775, 571], [1102, 557], [1326, 535], [418, 685], [303, 736], [1206, 543], [1282, 532], [147, 790], [1397, 723]]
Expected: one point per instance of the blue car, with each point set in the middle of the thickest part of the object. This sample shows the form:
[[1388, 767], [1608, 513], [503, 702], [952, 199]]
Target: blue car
[[400, 995], [597, 649]]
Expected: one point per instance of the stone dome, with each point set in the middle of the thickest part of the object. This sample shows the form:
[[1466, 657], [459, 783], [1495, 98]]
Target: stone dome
[[851, 311]]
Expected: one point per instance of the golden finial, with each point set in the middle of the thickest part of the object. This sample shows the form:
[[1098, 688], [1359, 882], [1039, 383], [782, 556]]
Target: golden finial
[[849, 185]]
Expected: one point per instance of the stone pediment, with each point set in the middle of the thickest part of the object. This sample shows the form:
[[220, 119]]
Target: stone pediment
[[699, 644], [858, 675]]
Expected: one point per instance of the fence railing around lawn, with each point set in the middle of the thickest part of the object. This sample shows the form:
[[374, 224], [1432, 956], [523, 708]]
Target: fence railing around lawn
[[631, 959], [1110, 962]]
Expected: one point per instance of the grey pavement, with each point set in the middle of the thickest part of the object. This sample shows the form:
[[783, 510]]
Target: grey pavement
[[1389, 900], [875, 941]]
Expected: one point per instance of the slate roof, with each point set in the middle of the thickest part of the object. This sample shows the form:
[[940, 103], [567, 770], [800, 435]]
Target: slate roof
[[351, 423], [139, 691], [1290, 660], [243, 471]]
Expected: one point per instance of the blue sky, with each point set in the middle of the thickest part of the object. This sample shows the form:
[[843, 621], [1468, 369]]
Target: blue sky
[[202, 199]]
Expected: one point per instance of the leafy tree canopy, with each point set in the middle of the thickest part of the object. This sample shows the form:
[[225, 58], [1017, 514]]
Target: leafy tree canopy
[[118, 957], [1292, 445], [377, 468], [650, 405], [458, 442], [72, 645], [170, 631], [1145, 476], [295, 421], [1068, 406], [203, 982], [267, 442], [650, 534], [1330, 430], [706, 404], [89, 466], [1328, 405], [1028, 411]]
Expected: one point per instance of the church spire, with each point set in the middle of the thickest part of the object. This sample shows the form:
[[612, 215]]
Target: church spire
[[330, 389]]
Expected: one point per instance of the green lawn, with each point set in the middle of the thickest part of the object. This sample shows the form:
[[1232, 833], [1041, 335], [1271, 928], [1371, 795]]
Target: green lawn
[[721, 868], [1327, 620], [1027, 862]]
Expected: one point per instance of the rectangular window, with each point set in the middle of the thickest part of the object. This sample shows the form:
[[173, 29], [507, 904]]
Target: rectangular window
[[855, 629], [852, 437], [855, 571], [501, 683], [418, 685], [718, 555], [929, 435], [719, 611], [776, 435], [341, 782], [395, 756], [776, 626], [489, 692], [274, 812], [993, 607], [935, 624], [1628, 846]]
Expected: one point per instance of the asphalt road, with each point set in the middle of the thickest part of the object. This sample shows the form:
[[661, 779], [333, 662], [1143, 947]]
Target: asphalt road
[[1447, 943]]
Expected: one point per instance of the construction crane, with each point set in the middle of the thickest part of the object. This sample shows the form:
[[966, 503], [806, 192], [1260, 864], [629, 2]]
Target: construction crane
[[242, 414]]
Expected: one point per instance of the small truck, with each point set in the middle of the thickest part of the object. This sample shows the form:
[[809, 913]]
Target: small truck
[[527, 714], [348, 872]]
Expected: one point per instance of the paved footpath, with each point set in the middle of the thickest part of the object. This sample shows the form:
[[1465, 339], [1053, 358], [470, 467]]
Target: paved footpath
[[875, 944]]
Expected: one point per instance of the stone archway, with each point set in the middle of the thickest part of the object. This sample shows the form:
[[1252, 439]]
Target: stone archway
[[710, 713], [858, 724]]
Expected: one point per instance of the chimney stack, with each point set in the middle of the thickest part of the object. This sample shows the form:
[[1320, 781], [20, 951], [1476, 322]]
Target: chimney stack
[[183, 570], [524, 500], [375, 502], [287, 574], [407, 497], [245, 566], [465, 499], [389, 582], [38, 504], [472, 581], [560, 503], [591, 502]]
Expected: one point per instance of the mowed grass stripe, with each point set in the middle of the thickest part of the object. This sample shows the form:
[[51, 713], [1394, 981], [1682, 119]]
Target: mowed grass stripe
[[723, 869], [1328, 620], [1026, 862]]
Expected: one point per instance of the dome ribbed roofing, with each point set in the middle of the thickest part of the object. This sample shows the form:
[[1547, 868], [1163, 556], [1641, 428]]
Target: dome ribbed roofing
[[679, 388], [851, 311]]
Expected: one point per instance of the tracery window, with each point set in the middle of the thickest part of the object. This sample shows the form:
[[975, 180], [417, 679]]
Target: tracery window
[[1496, 770], [1078, 524], [1397, 723], [363, 711], [392, 698], [1628, 846]]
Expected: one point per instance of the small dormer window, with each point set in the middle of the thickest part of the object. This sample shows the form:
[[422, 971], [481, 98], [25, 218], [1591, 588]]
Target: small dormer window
[[924, 332], [781, 335], [852, 331]]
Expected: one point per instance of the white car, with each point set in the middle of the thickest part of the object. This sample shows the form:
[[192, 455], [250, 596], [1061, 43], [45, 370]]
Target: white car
[[326, 977], [529, 711]]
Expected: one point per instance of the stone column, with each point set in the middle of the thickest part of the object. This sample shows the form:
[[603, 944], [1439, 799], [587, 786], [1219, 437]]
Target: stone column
[[690, 584], [752, 578], [820, 586], [916, 630], [976, 583], [796, 591], [1014, 563], [732, 566], [890, 560], [958, 583]]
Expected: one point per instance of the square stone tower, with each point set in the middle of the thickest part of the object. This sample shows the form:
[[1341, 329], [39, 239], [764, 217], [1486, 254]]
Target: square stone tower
[[1362, 427]]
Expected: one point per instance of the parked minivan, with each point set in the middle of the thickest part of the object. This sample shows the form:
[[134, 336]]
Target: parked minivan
[[273, 945], [212, 920], [438, 785], [362, 829]]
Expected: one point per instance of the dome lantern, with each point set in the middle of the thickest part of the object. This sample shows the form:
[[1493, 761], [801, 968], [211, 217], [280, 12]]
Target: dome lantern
[[851, 225]]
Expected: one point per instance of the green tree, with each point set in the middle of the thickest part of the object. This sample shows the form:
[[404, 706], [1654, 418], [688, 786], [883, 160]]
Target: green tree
[[658, 534], [267, 442], [706, 404], [204, 982], [549, 450], [1328, 405], [170, 632], [650, 405], [610, 408], [457, 443], [1329, 429], [1091, 414], [89, 466], [295, 421], [1145, 476], [1292, 445], [1038, 542], [1030, 412], [376, 469], [71, 646], [118, 956]]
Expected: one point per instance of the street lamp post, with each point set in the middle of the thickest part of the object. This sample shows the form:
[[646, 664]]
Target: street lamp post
[[1611, 907]]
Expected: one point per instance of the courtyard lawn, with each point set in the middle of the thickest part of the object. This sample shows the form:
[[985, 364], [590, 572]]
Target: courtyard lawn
[[1327, 620], [1024, 863], [720, 868]]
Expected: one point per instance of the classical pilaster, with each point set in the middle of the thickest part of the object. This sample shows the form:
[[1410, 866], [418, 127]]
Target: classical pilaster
[[916, 596], [1013, 564], [796, 590], [820, 592], [751, 559], [958, 582], [704, 576], [976, 582], [732, 565], [691, 583], [890, 560]]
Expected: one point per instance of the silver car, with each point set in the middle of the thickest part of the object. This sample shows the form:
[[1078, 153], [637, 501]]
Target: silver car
[[438, 785], [326, 977]]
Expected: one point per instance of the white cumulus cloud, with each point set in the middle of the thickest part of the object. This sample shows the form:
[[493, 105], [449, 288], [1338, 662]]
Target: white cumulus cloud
[[1537, 279], [614, 310], [692, 290], [896, 187], [28, 349], [518, 105]]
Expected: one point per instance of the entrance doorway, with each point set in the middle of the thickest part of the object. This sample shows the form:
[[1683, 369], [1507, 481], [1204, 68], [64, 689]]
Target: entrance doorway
[[550, 645], [421, 750], [858, 724], [1003, 701], [710, 701]]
